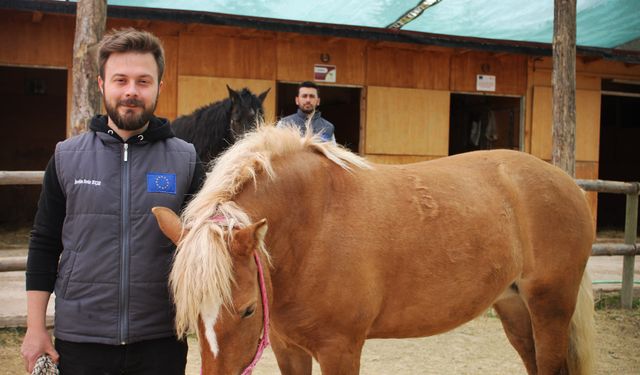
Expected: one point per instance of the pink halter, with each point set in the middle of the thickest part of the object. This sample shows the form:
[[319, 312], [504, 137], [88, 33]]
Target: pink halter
[[264, 341]]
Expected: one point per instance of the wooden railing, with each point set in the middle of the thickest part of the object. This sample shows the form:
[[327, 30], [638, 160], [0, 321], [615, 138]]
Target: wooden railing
[[18, 178], [629, 249], [21, 177]]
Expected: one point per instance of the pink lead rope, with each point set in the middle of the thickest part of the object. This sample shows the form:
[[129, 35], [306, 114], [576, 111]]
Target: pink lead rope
[[264, 341]]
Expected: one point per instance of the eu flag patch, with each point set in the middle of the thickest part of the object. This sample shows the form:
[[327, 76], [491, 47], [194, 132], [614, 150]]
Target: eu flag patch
[[161, 183]]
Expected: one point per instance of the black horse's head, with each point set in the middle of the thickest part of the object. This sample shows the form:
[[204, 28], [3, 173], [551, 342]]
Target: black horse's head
[[246, 110]]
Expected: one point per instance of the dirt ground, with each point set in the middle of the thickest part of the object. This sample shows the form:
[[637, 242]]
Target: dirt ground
[[479, 347]]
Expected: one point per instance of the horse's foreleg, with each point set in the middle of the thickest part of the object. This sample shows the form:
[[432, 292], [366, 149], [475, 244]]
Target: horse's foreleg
[[292, 360], [517, 325], [340, 357]]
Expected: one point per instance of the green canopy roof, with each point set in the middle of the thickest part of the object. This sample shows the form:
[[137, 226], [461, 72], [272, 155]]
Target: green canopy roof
[[600, 23]]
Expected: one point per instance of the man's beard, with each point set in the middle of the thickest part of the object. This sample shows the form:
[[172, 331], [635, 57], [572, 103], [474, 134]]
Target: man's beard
[[130, 121], [307, 111]]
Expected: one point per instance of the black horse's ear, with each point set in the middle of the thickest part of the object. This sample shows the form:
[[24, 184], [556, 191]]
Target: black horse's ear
[[233, 95], [262, 96]]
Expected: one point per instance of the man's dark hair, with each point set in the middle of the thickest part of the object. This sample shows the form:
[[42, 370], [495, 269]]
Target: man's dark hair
[[309, 84], [130, 40]]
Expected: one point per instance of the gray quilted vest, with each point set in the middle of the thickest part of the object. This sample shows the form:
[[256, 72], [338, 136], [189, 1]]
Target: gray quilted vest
[[112, 276], [318, 124]]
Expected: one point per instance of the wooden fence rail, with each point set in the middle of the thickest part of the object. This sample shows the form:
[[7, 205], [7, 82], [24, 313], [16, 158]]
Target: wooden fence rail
[[21, 177], [8, 264]]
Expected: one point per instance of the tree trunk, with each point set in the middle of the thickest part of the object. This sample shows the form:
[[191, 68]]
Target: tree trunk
[[564, 86], [91, 19]]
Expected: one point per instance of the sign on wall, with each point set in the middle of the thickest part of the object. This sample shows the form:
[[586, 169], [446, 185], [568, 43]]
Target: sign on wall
[[324, 73], [485, 82]]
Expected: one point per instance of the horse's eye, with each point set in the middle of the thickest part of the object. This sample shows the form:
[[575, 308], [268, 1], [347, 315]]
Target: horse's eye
[[248, 312]]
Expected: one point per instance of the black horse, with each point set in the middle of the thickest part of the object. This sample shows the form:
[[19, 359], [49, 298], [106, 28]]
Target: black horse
[[216, 126]]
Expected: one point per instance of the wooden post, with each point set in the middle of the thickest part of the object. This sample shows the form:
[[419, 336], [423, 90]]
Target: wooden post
[[91, 19], [628, 263], [564, 86]]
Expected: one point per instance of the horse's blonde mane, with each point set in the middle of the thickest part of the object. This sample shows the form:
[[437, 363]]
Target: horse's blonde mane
[[202, 270]]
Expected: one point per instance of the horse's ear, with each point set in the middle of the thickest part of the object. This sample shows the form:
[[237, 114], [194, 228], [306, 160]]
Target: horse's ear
[[246, 240], [263, 96], [169, 223], [233, 95]]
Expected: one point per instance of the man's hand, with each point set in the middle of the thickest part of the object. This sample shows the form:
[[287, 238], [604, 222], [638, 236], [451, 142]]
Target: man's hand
[[37, 340], [36, 343]]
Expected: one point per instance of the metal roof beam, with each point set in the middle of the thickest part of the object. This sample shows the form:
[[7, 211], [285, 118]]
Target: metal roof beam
[[412, 14]]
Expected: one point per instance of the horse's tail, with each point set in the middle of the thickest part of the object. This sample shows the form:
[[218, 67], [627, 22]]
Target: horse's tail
[[582, 331]]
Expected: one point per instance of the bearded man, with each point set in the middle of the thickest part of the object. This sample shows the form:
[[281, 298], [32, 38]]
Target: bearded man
[[94, 239], [308, 100]]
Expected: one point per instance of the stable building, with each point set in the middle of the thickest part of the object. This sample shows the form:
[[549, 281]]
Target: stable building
[[394, 96]]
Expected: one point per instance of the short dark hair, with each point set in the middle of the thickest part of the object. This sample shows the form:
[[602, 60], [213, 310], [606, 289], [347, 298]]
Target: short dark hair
[[130, 40], [309, 84]]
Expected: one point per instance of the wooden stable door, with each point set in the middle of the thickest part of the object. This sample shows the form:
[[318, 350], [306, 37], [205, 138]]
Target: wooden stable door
[[407, 122], [587, 124]]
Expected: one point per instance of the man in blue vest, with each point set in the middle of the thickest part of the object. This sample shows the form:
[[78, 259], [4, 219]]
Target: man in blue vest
[[308, 100], [94, 239]]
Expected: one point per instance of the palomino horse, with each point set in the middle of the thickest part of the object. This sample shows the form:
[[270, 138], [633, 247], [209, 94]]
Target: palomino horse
[[215, 126], [355, 251]]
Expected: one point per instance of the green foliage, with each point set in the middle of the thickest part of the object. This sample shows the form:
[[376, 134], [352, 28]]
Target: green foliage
[[611, 300], [11, 336]]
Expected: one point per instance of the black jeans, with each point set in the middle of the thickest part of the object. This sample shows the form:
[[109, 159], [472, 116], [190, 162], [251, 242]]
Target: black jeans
[[166, 356]]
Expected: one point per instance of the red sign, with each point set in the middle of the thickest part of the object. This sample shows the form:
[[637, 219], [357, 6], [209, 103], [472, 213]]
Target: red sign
[[324, 73]]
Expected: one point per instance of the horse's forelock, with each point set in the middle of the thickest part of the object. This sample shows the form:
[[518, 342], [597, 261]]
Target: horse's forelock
[[202, 271]]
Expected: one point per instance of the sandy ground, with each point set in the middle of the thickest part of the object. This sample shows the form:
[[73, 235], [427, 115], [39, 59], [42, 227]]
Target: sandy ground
[[478, 347]]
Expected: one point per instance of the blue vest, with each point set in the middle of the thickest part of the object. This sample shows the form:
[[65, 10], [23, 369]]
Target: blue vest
[[318, 124]]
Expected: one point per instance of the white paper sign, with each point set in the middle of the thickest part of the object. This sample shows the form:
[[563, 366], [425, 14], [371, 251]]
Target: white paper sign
[[485, 82]]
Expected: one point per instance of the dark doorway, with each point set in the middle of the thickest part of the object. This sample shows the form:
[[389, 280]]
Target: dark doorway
[[483, 122], [619, 142], [34, 119], [339, 105]]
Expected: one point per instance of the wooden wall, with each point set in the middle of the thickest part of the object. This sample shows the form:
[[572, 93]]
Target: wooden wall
[[409, 67], [296, 55], [36, 39], [406, 88], [197, 91], [510, 71]]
